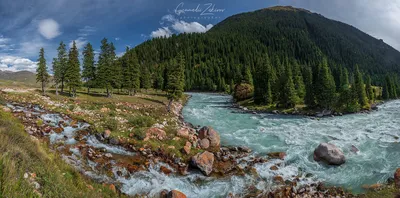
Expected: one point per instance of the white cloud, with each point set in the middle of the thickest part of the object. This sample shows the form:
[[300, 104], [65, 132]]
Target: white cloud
[[182, 26], [178, 26], [80, 42], [15, 63], [86, 31], [49, 28], [117, 38], [161, 32], [31, 48]]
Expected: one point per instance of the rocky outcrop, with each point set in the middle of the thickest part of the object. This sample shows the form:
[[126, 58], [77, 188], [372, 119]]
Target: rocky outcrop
[[155, 133], [203, 161], [211, 135], [329, 154], [183, 133]]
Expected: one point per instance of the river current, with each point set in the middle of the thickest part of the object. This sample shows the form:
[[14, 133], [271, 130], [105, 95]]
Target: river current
[[376, 135]]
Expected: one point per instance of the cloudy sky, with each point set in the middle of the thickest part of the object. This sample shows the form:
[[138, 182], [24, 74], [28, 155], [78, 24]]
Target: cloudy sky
[[26, 26]]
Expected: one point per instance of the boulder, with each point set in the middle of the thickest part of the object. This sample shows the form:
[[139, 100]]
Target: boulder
[[165, 170], [204, 143], [164, 194], [187, 147], [183, 133], [397, 178], [107, 133], [204, 161], [329, 154], [175, 194], [277, 155], [210, 134]]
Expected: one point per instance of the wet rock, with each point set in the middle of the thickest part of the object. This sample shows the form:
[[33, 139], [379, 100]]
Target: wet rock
[[354, 149], [204, 161], [187, 147], [275, 112], [164, 193], [210, 134], [165, 170], [279, 179], [175, 194], [106, 133], [109, 155], [277, 155], [183, 133], [273, 168], [58, 130], [114, 141], [204, 143], [329, 154], [397, 178], [245, 149], [99, 137]]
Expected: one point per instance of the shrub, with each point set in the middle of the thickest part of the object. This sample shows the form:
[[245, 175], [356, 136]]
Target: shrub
[[243, 91], [141, 121]]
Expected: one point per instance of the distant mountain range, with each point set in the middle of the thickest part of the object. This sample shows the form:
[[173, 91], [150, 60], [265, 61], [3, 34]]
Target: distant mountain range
[[20, 76]]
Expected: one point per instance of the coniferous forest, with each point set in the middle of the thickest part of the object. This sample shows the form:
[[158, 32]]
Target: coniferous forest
[[279, 57]]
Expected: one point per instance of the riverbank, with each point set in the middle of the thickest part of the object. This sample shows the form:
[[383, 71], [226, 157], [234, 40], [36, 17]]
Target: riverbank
[[130, 163], [249, 107]]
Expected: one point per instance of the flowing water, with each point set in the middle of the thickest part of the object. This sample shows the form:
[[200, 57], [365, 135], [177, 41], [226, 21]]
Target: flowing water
[[376, 135]]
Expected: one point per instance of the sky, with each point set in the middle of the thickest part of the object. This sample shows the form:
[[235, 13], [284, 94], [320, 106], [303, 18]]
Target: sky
[[26, 25]]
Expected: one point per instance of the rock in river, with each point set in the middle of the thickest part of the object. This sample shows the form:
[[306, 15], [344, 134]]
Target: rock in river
[[329, 154], [210, 134], [175, 194], [397, 178], [204, 161]]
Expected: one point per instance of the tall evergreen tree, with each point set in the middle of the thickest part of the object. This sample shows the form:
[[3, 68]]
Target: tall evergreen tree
[[386, 88], [62, 65], [248, 77], [176, 79], [298, 81], [131, 72], [145, 78], [359, 87], [261, 80], [56, 73], [41, 72], [309, 98], [73, 75], [89, 68], [105, 64], [368, 89], [288, 96], [325, 86]]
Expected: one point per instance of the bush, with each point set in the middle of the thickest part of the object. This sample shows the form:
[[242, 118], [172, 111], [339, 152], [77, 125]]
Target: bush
[[139, 133], [111, 124], [243, 91]]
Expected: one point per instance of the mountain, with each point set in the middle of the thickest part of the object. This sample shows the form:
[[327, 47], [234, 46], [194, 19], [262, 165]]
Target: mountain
[[219, 58], [20, 76]]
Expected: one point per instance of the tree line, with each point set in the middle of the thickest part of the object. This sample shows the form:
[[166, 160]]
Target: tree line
[[108, 72]]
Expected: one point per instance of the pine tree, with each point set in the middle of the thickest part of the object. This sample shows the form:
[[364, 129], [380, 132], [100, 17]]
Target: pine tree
[[345, 93], [248, 77], [325, 86], [175, 80], [359, 87], [385, 90], [298, 81], [309, 98], [368, 89], [105, 64], [288, 96], [145, 78], [41, 72], [89, 68], [72, 75], [131, 72], [260, 80], [56, 73], [62, 65]]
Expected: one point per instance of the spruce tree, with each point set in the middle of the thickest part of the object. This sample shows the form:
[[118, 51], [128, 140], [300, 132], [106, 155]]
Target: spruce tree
[[89, 68], [288, 96], [248, 77], [56, 73], [131, 72], [105, 64], [298, 81], [309, 98], [261, 80], [62, 65], [368, 89], [145, 78], [41, 72], [385, 90], [73, 75], [359, 87], [345, 94], [325, 86], [175, 80]]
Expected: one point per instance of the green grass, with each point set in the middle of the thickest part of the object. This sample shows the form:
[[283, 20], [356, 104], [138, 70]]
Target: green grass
[[387, 192], [19, 154]]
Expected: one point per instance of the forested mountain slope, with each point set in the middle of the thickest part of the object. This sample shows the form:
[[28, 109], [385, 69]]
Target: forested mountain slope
[[220, 56]]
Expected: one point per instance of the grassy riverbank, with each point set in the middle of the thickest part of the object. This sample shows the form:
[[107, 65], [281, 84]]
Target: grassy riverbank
[[29, 169]]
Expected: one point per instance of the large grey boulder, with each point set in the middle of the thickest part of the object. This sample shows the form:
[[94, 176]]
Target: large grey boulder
[[330, 154], [204, 161]]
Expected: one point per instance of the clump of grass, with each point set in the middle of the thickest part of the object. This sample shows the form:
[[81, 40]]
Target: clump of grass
[[139, 133], [110, 123], [141, 121]]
